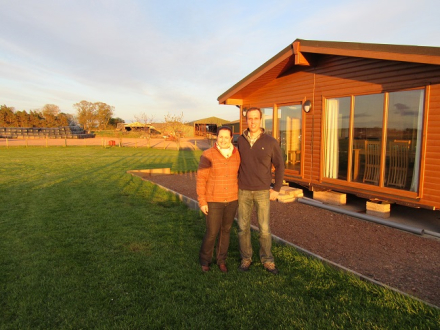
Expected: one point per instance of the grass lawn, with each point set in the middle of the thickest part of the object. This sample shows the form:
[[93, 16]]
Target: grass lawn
[[85, 245]]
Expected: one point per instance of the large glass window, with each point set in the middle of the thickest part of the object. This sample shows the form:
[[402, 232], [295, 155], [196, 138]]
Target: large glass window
[[367, 134], [336, 137], [400, 169], [267, 120], [289, 135], [405, 115]]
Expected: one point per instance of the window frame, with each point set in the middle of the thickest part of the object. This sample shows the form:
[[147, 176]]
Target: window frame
[[381, 186]]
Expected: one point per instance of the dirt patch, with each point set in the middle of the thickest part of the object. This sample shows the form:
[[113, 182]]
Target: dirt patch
[[402, 260]]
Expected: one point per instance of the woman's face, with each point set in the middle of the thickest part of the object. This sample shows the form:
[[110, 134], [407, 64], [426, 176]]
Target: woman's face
[[224, 139]]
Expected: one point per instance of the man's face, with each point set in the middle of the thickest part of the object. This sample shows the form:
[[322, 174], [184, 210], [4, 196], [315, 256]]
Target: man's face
[[253, 120]]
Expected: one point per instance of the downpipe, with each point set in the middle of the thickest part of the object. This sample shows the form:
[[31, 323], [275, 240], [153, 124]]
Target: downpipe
[[367, 217]]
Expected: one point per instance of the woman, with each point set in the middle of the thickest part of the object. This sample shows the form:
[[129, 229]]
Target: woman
[[217, 193]]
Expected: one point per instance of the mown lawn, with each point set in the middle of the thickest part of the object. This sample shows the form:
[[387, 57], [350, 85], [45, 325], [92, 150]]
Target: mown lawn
[[85, 245]]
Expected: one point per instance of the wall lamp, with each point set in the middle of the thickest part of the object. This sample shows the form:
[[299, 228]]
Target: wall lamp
[[307, 106], [244, 112]]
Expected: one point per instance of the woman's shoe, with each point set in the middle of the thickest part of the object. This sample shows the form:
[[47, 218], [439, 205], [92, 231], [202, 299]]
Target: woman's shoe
[[223, 268]]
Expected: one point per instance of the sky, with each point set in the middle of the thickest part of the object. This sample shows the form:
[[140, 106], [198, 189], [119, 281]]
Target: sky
[[164, 57]]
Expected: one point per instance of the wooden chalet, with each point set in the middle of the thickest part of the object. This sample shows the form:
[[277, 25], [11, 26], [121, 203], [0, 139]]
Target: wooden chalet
[[352, 117]]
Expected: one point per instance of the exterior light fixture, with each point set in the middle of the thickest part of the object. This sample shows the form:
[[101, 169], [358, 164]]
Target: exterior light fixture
[[244, 111], [307, 106]]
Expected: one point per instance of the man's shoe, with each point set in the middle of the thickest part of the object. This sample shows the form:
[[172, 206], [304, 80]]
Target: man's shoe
[[223, 268], [270, 267], [205, 269], [244, 266]]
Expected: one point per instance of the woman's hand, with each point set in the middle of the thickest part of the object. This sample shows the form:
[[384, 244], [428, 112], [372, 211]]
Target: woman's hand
[[204, 209]]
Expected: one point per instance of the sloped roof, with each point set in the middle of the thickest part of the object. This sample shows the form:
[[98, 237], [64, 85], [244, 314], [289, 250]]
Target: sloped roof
[[210, 120], [297, 53], [137, 124]]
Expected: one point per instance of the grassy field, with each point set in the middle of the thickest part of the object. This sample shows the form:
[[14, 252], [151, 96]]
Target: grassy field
[[85, 245]]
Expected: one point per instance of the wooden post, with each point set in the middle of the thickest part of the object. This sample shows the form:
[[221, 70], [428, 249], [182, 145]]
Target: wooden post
[[46, 141], [7, 143]]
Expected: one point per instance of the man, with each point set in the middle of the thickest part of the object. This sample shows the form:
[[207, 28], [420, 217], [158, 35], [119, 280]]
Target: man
[[258, 152]]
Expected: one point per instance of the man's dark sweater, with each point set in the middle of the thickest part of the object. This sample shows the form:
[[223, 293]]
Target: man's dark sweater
[[256, 163]]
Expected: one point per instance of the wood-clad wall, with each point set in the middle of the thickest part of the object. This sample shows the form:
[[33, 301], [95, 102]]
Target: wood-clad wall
[[339, 76]]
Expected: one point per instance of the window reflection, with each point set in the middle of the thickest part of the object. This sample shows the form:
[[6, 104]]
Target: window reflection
[[267, 120], [368, 123], [403, 139], [289, 135]]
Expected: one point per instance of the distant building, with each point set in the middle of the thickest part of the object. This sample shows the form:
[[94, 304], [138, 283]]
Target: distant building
[[208, 126], [137, 126]]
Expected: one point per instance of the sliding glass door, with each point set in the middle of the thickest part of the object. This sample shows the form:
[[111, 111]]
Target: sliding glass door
[[289, 134]]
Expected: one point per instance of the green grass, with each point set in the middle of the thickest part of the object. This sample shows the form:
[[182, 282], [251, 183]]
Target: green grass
[[85, 245]]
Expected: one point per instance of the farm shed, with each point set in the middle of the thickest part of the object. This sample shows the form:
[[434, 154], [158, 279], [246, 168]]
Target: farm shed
[[352, 117], [207, 126]]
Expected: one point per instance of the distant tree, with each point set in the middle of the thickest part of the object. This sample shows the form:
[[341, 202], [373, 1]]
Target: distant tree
[[146, 120], [93, 115], [175, 125], [71, 121], [22, 119], [62, 120], [48, 116], [50, 109], [103, 113], [7, 116], [85, 114], [113, 123], [36, 119]]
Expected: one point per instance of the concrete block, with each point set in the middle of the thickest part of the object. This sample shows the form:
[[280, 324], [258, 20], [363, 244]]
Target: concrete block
[[291, 191], [330, 197], [379, 209], [286, 198]]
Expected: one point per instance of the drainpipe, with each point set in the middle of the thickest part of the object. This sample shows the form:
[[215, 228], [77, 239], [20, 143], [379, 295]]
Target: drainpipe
[[361, 216]]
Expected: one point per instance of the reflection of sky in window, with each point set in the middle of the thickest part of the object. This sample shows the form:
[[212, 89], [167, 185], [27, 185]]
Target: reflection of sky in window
[[344, 112], [267, 118], [292, 111], [404, 109], [368, 110]]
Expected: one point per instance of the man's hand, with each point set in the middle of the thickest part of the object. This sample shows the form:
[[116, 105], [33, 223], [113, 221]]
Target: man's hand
[[204, 209], [273, 195]]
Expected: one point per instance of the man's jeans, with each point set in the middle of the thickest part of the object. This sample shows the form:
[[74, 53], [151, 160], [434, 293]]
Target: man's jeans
[[246, 201], [218, 223]]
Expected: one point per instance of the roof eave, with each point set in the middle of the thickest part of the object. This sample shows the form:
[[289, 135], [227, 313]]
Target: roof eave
[[265, 67], [414, 54]]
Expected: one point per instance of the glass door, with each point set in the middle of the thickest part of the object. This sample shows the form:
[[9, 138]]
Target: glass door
[[289, 135]]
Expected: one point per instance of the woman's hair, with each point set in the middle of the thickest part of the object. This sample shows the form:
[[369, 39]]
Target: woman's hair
[[226, 128]]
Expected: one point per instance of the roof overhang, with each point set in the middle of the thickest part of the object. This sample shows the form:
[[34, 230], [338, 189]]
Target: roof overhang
[[299, 51]]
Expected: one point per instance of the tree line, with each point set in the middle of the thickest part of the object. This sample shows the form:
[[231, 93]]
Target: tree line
[[89, 115]]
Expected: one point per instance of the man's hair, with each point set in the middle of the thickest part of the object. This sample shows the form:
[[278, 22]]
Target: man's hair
[[226, 128], [254, 109]]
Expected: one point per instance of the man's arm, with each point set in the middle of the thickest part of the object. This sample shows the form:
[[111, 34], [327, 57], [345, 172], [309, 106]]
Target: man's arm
[[278, 163]]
